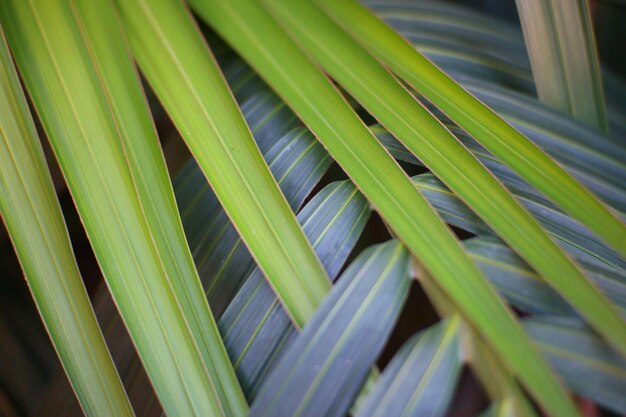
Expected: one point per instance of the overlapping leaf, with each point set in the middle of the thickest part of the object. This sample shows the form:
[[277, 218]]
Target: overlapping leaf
[[255, 326], [85, 88], [587, 364], [469, 46], [322, 371], [252, 32], [271, 123], [476, 49], [124, 95], [598, 166], [357, 71], [175, 60], [32, 215], [421, 378], [570, 234], [256, 329], [526, 291], [560, 42], [295, 159], [482, 123], [497, 380]]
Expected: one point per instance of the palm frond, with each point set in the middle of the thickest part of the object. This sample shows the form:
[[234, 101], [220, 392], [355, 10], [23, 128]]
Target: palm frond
[[560, 41], [67, 71], [586, 364], [482, 123], [432, 143], [321, 372], [178, 65], [250, 30], [422, 377], [32, 215], [269, 347]]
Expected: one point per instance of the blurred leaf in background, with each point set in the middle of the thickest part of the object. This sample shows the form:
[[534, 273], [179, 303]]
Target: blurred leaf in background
[[477, 182]]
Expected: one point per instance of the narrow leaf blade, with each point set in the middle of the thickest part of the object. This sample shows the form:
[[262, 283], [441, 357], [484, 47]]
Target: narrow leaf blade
[[586, 364], [560, 42], [120, 82], [482, 123], [421, 378], [178, 65], [256, 330], [250, 30], [53, 58], [357, 71], [324, 368], [33, 217]]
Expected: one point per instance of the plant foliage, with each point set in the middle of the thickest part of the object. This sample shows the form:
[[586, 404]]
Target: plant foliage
[[250, 284]]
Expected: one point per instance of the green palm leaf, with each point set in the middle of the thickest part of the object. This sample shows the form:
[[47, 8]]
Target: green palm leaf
[[428, 139], [497, 380], [527, 291], [256, 329], [560, 41], [482, 123], [296, 160], [32, 214], [124, 94], [586, 364], [421, 378], [322, 371], [67, 70], [221, 257], [178, 65], [476, 50], [578, 241], [500, 409], [252, 32]]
